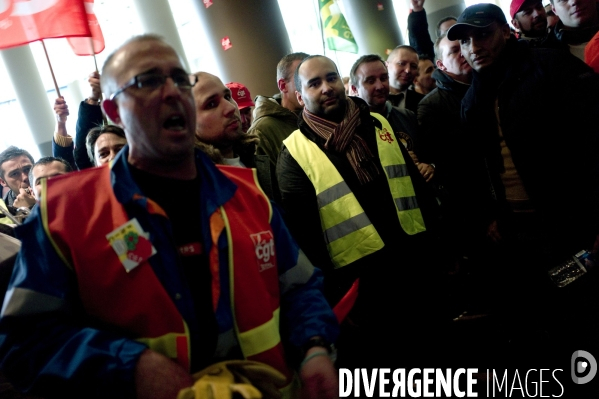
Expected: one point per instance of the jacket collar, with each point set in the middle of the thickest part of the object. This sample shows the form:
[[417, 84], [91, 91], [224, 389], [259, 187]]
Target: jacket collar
[[574, 36], [216, 189], [446, 82]]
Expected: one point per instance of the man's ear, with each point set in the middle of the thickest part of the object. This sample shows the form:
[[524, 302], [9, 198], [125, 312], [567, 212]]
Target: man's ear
[[282, 85], [506, 31], [516, 24], [3, 183], [298, 95], [440, 65], [111, 110], [353, 90]]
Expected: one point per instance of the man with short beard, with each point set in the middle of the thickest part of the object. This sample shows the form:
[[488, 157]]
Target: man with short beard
[[530, 18], [357, 205]]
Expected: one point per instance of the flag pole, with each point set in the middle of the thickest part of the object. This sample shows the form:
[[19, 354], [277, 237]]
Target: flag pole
[[50, 65], [91, 43], [321, 26]]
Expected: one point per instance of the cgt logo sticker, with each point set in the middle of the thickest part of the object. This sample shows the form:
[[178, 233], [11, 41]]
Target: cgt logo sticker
[[264, 244], [583, 367]]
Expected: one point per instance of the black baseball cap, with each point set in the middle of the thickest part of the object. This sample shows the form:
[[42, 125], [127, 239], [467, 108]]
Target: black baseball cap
[[476, 16]]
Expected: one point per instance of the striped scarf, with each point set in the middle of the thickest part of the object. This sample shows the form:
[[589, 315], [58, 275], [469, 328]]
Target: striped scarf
[[341, 137]]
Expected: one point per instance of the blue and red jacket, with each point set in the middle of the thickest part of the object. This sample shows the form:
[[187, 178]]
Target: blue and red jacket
[[73, 318]]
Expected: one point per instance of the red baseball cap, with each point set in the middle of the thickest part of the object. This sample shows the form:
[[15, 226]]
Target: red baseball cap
[[241, 95], [517, 5]]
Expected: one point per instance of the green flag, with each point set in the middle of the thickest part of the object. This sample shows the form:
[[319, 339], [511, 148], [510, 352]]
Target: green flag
[[336, 31]]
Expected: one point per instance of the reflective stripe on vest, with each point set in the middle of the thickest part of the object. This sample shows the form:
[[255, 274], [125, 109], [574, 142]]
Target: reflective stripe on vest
[[254, 281], [348, 232], [152, 318], [172, 345], [399, 179], [105, 291]]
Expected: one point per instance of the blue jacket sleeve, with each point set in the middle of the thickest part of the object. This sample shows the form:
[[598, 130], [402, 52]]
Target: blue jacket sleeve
[[65, 153], [305, 312], [47, 347], [89, 117], [418, 34]]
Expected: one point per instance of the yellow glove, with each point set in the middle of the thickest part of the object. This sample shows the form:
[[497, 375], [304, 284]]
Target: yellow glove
[[247, 379]]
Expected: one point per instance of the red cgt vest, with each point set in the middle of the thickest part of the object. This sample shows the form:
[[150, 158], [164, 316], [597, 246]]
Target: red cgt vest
[[136, 302]]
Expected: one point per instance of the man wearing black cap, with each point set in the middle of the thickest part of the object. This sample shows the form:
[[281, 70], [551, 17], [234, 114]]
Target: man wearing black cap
[[530, 18], [549, 166]]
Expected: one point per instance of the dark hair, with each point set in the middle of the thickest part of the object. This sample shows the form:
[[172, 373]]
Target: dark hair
[[450, 18], [46, 161], [94, 133], [425, 57], [362, 60], [296, 78], [284, 70], [10, 153]]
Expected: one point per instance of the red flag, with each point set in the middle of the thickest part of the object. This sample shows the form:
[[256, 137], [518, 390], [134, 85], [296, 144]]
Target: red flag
[[83, 45], [25, 21]]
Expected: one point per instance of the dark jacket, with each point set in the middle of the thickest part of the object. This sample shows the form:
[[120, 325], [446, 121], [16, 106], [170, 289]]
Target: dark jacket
[[389, 276], [549, 109], [65, 153], [265, 170], [465, 188], [412, 100], [561, 39], [418, 34], [405, 127], [89, 117], [272, 123]]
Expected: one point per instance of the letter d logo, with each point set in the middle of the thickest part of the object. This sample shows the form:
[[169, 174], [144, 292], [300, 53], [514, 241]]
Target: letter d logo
[[587, 365]]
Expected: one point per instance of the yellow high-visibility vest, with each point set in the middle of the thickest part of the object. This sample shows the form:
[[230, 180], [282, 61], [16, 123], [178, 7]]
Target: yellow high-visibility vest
[[348, 232]]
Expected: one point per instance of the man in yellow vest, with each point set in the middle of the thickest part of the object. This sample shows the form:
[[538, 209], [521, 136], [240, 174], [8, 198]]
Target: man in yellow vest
[[126, 293], [358, 207]]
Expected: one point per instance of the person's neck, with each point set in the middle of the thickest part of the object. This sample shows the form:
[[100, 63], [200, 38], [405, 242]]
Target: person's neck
[[290, 105], [379, 109], [459, 78], [182, 169], [393, 90], [420, 89], [533, 34], [227, 152]]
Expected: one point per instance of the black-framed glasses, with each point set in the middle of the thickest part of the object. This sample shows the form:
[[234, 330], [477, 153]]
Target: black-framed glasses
[[151, 81]]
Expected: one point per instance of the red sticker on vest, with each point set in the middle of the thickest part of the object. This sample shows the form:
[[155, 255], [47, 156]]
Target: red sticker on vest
[[264, 244], [131, 244], [191, 249]]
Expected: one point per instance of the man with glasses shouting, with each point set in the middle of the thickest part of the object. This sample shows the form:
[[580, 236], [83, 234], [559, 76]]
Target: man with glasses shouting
[[126, 293]]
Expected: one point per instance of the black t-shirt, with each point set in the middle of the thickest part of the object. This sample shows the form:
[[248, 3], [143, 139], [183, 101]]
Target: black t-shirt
[[180, 200]]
